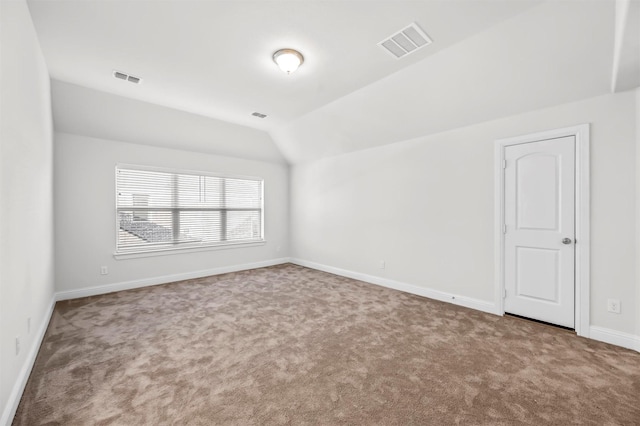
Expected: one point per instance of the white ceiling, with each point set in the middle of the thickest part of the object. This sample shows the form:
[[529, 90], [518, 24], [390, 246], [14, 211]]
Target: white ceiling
[[555, 53], [83, 111], [489, 58], [626, 62]]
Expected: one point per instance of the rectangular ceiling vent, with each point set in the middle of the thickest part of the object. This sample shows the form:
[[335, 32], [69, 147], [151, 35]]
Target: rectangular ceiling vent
[[406, 41], [122, 76]]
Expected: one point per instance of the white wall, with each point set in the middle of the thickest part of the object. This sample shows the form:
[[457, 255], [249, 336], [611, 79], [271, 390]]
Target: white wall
[[426, 206], [638, 213], [26, 205], [85, 213]]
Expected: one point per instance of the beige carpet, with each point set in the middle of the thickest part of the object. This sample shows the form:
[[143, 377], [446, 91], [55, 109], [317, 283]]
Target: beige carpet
[[290, 345]]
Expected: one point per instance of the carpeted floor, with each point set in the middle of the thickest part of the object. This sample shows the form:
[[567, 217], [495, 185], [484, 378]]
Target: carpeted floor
[[290, 345]]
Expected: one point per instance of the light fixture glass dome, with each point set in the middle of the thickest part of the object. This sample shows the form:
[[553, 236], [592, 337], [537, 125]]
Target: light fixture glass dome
[[288, 60]]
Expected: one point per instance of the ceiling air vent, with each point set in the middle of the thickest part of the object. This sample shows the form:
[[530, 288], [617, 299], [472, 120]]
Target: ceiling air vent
[[259, 115], [127, 77], [405, 41]]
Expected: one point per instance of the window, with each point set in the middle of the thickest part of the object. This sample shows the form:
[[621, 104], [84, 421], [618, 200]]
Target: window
[[160, 210]]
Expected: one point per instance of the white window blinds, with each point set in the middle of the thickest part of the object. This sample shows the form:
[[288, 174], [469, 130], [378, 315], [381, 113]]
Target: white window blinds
[[158, 210]]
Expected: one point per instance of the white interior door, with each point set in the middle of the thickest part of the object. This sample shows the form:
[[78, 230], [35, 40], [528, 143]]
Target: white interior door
[[539, 263]]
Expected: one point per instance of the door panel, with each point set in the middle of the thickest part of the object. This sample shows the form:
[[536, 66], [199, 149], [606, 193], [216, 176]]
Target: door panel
[[537, 274], [539, 214], [537, 192]]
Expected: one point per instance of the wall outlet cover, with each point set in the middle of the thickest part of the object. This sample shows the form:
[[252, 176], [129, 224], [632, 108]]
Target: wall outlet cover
[[613, 305]]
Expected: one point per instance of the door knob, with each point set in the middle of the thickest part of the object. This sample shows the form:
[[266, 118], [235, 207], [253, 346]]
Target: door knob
[[567, 241]]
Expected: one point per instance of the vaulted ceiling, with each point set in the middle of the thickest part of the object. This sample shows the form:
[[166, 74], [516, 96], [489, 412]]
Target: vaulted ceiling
[[212, 59]]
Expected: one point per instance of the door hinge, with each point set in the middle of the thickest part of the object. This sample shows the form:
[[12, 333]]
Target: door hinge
[[504, 164], [504, 293], [504, 228]]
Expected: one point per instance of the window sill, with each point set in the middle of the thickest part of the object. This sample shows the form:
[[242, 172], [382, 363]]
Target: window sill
[[168, 251]]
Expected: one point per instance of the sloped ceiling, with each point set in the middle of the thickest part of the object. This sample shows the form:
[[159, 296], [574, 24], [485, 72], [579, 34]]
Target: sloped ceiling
[[554, 53], [213, 59], [626, 53], [82, 111]]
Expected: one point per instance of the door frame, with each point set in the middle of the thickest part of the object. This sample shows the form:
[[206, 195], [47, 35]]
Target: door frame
[[582, 219]]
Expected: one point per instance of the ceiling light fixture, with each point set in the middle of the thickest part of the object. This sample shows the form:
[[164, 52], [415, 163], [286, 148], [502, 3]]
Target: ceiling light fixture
[[288, 60]]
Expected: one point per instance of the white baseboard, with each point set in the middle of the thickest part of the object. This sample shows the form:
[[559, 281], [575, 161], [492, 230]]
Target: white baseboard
[[128, 285], [618, 338], [442, 296], [18, 388]]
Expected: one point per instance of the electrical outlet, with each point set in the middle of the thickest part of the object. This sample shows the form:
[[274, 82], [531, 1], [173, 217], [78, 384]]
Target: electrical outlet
[[17, 345], [613, 305], [104, 270], [383, 264], [29, 325]]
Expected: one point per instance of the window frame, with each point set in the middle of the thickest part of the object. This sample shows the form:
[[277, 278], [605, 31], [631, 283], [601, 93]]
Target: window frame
[[186, 248]]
